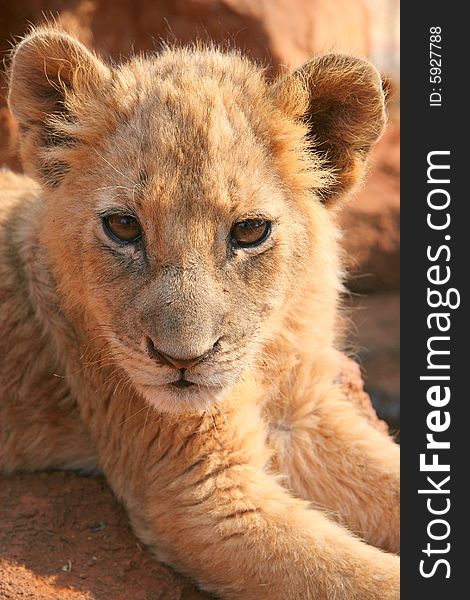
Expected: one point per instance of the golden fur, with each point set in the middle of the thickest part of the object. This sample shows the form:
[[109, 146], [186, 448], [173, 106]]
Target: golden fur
[[260, 480]]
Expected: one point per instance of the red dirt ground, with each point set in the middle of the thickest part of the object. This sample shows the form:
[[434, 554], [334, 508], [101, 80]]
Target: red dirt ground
[[65, 537]]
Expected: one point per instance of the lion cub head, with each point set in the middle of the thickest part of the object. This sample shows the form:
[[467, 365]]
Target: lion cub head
[[187, 200]]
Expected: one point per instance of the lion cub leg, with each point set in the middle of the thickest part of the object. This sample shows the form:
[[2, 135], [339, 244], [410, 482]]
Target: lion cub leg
[[331, 455], [198, 493]]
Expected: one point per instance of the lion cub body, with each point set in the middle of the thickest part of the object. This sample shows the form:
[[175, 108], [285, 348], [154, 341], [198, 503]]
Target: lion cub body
[[189, 143]]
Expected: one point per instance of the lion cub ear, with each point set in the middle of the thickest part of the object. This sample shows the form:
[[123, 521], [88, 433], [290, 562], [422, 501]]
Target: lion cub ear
[[51, 74], [341, 100]]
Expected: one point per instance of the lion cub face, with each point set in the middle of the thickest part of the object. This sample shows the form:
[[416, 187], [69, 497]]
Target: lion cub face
[[185, 198]]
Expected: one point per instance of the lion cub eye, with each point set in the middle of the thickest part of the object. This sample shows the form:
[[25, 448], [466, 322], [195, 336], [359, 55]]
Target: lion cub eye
[[122, 228], [250, 233]]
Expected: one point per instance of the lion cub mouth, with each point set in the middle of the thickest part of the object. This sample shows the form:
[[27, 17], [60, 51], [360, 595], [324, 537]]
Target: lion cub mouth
[[182, 382], [179, 385]]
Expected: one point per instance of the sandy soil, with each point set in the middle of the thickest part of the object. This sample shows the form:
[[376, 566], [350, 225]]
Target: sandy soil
[[65, 537]]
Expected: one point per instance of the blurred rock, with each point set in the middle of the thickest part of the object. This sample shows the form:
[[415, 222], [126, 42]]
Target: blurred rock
[[371, 221], [274, 31], [385, 35], [375, 342]]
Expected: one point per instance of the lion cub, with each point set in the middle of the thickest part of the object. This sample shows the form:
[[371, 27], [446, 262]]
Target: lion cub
[[169, 288]]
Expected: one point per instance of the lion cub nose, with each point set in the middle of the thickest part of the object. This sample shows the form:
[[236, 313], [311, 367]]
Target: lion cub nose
[[178, 363]]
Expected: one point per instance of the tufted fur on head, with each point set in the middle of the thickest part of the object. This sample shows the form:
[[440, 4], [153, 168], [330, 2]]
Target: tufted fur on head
[[339, 97]]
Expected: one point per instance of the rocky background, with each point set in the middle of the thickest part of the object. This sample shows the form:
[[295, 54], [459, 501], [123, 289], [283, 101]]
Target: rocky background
[[53, 544]]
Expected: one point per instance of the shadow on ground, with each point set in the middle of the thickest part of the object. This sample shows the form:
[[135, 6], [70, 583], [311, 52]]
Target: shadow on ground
[[65, 537]]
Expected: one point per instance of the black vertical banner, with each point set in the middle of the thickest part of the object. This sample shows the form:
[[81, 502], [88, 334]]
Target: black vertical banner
[[435, 340]]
